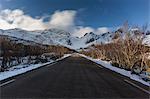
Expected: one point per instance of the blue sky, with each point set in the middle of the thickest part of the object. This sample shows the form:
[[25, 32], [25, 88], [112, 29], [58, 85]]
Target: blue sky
[[89, 13]]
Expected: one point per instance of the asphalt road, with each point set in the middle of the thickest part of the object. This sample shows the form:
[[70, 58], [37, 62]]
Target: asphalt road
[[73, 77]]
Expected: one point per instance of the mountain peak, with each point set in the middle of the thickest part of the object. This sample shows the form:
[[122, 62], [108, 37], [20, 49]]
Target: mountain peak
[[58, 37]]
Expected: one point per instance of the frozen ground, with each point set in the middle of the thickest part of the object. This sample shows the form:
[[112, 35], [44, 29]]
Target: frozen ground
[[118, 70], [16, 70]]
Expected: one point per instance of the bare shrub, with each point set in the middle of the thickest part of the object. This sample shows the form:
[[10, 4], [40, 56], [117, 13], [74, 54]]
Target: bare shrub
[[125, 50]]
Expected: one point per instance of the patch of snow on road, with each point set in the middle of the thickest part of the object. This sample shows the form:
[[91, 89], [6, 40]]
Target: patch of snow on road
[[118, 70]]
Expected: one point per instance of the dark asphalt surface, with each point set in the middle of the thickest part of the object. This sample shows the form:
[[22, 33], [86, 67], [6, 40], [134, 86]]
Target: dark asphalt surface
[[73, 77]]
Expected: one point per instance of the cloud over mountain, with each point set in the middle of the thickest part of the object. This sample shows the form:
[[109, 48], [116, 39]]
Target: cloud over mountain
[[65, 20], [17, 19]]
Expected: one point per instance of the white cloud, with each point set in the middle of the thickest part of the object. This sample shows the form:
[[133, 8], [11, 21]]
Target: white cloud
[[102, 30], [65, 20], [81, 31], [5, 25], [16, 19]]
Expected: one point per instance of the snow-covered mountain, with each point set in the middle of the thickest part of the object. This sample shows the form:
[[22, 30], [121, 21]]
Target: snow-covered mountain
[[147, 40], [48, 37], [52, 37], [58, 37]]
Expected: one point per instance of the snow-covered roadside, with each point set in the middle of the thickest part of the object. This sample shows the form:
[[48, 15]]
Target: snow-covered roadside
[[65, 56], [118, 70], [25, 68]]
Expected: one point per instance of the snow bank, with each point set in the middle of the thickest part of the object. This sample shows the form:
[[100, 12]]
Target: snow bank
[[65, 56], [19, 70], [118, 70], [16, 70]]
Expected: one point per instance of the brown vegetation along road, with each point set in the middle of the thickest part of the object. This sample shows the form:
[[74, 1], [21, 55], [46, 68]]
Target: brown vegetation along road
[[73, 77]]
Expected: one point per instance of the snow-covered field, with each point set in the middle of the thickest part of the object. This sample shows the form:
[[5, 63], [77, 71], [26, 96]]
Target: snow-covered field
[[16, 70], [118, 70]]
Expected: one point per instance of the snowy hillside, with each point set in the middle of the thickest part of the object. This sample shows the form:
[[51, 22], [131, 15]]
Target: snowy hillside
[[50, 37], [89, 39], [53, 37], [147, 40], [59, 37]]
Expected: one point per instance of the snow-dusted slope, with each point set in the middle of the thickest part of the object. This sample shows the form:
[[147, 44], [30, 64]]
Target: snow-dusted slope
[[59, 37], [91, 38], [147, 40], [54, 37], [51, 37]]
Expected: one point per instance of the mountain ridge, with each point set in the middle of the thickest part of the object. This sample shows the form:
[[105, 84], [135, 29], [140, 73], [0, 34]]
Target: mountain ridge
[[60, 37]]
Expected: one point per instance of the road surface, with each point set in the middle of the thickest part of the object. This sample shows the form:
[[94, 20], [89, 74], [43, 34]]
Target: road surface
[[73, 77]]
